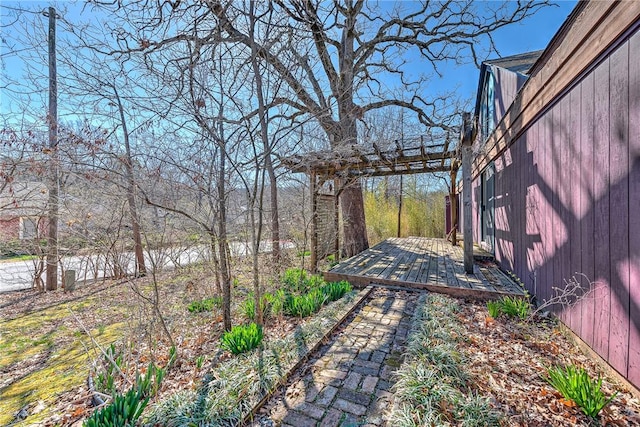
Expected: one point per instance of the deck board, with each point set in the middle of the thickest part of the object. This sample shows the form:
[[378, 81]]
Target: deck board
[[424, 263]]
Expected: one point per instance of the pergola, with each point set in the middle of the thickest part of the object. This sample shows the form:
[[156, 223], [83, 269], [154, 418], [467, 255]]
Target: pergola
[[346, 164]]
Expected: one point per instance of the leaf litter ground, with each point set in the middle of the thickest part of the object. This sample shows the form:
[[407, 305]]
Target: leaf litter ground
[[46, 334]]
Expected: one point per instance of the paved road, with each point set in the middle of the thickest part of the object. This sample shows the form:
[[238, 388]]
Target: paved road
[[18, 275]]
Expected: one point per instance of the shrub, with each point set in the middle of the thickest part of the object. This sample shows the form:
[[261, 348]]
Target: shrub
[[575, 384], [242, 338], [207, 304], [335, 290]]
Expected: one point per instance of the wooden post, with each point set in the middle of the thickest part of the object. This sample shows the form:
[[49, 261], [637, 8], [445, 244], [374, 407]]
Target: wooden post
[[453, 203], [467, 153], [336, 220], [314, 223], [400, 208]]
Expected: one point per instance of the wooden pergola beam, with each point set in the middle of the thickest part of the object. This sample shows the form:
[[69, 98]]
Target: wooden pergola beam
[[350, 163]]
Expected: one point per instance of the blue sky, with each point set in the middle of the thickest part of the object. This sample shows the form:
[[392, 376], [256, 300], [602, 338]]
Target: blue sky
[[533, 34]]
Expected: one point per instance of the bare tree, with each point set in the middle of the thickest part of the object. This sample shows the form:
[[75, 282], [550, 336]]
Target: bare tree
[[336, 57]]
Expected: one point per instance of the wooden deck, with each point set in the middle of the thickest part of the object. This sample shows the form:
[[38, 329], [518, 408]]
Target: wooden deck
[[424, 263]]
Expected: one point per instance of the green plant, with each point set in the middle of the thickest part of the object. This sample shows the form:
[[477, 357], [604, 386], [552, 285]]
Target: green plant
[[123, 411], [494, 308], [509, 306], [199, 362], [314, 282], [575, 383], [207, 304], [335, 290], [514, 307], [173, 355], [295, 279], [304, 305], [276, 302], [112, 363], [248, 308], [242, 338]]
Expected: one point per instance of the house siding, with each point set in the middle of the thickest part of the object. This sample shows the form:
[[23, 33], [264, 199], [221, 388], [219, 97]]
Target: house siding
[[568, 205], [9, 229]]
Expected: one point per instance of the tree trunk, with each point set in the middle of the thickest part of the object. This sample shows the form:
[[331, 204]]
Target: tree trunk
[[222, 248], [355, 231], [351, 199], [131, 191], [275, 220]]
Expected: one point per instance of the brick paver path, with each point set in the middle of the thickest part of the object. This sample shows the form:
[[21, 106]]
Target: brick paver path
[[348, 381]]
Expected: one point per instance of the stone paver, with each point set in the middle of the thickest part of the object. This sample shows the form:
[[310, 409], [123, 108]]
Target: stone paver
[[347, 382]]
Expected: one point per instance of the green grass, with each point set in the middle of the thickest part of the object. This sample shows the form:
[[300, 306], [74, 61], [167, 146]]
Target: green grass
[[13, 258], [304, 305], [335, 290]]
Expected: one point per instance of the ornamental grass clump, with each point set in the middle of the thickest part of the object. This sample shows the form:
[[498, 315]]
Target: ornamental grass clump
[[207, 304], [242, 338], [575, 384], [295, 280], [125, 409], [510, 307], [335, 290], [494, 308], [304, 305], [432, 385]]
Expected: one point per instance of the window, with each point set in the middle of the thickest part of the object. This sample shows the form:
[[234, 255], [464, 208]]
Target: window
[[487, 110]]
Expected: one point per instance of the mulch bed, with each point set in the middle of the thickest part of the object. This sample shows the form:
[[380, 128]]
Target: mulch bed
[[507, 358], [508, 361]]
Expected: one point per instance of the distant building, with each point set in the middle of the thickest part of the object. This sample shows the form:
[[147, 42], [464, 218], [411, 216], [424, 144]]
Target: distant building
[[23, 211]]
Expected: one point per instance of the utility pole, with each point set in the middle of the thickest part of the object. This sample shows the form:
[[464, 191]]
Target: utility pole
[[52, 119]]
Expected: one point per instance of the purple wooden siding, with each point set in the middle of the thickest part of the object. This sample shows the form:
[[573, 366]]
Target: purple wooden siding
[[634, 210], [506, 92], [601, 209], [568, 201], [587, 108], [619, 208]]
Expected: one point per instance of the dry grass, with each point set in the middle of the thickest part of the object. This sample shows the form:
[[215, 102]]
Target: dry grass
[[44, 336]]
